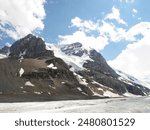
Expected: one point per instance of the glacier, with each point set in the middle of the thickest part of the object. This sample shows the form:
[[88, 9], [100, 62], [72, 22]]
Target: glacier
[[109, 105]]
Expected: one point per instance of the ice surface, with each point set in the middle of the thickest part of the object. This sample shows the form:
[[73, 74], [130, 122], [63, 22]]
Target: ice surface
[[125, 105]]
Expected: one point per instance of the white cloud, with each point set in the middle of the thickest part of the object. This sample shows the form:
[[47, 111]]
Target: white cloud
[[134, 59], [83, 25], [20, 17], [142, 28], [97, 43], [115, 15], [127, 1], [112, 32], [105, 32], [134, 11]]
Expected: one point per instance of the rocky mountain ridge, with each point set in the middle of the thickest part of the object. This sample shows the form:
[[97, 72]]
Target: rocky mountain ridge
[[35, 69]]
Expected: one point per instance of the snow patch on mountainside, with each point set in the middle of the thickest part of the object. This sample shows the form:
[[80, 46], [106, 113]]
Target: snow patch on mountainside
[[94, 82], [145, 81], [52, 66], [47, 47], [28, 83], [127, 94], [22, 53], [130, 79], [37, 93], [110, 94], [21, 72], [74, 61], [81, 79], [95, 93], [79, 89]]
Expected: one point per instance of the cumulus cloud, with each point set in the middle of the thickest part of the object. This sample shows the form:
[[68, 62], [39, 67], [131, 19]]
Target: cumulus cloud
[[134, 59], [83, 25], [98, 43], [20, 17], [113, 33], [141, 28], [115, 15], [105, 31]]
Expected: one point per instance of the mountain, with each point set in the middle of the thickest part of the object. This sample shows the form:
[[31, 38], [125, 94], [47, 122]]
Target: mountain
[[91, 65], [36, 70], [4, 52], [29, 47]]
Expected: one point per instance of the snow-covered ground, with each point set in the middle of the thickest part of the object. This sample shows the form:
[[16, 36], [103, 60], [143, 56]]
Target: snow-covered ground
[[111, 105], [2, 56]]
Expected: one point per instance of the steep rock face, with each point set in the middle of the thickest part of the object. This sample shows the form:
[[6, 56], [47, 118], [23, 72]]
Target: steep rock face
[[5, 50], [30, 47], [99, 64]]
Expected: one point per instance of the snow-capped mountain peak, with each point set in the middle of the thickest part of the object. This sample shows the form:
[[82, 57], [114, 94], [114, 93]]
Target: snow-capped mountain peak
[[73, 54], [76, 49]]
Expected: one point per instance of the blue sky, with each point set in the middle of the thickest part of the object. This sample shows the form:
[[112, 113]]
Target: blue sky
[[113, 27], [62, 11]]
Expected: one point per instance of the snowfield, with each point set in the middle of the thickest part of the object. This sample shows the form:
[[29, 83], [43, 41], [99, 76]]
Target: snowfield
[[111, 105]]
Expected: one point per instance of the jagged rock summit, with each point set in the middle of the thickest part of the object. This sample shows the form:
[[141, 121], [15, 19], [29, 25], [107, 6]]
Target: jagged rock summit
[[30, 47]]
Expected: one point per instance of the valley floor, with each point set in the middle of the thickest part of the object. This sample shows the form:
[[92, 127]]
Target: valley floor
[[111, 105]]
